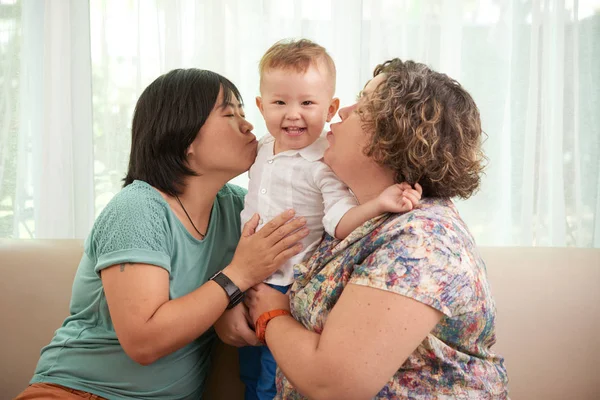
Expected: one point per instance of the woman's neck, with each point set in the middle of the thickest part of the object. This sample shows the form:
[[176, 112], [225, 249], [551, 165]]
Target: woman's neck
[[197, 200], [199, 195], [370, 185]]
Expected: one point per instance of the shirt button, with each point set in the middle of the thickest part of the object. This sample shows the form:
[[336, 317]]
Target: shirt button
[[270, 161], [263, 191]]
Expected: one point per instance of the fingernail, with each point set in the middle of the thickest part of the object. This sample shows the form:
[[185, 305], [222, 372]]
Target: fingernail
[[291, 212]]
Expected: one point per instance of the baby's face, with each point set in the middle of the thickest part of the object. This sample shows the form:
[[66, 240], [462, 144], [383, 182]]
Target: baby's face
[[296, 105]]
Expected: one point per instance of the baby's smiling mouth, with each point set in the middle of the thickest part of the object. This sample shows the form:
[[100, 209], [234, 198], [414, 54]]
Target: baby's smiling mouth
[[294, 130]]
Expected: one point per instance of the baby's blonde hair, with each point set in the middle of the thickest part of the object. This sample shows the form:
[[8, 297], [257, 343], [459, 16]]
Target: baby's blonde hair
[[297, 55]]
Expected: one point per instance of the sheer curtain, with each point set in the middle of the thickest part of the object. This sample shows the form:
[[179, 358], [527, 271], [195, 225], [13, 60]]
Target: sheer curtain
[[46, 159], [532, 67]]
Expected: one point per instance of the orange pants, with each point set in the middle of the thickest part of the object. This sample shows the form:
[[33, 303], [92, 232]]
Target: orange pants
[[50, 391]]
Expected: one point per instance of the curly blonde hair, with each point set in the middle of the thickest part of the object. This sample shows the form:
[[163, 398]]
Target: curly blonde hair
[[426, 128]]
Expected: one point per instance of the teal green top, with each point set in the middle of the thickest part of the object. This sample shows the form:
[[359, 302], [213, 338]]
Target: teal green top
[[138, 226]]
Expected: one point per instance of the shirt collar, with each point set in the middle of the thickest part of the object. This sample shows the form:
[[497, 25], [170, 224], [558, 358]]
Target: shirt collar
[[312, 152]]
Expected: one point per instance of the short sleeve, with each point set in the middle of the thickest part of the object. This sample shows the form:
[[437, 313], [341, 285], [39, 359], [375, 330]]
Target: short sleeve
[[237, 193], [132, 228], [337, 198], [232, 199], [417, 261]]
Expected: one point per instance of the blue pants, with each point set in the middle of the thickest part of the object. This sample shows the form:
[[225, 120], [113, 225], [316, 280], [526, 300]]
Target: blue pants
[[257, 368]]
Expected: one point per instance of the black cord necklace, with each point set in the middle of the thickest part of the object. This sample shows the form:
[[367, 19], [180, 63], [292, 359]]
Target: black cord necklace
[[188, 215]]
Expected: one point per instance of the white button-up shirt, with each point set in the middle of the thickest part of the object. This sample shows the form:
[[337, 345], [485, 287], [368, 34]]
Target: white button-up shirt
[[297, 179]]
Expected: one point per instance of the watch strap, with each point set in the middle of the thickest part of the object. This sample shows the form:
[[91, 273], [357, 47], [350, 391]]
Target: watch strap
[[263, 320], [233, 292]]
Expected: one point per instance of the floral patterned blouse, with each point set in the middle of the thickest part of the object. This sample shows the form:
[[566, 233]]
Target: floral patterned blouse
[[428, 255]]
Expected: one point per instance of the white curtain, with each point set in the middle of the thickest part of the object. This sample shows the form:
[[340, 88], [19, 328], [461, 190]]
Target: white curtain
[[72, 71], [47, 153]]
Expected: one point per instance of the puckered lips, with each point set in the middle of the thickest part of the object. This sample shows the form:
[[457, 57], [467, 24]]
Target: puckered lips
[[329, 136]]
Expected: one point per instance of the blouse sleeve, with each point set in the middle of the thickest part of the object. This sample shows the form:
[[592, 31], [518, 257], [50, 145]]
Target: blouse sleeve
[[132, 229], [423, 261]]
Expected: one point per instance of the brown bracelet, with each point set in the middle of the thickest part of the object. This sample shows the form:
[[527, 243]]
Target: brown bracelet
[[263, 320]]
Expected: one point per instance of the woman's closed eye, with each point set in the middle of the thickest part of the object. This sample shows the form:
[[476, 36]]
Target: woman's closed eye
[[233, 115]]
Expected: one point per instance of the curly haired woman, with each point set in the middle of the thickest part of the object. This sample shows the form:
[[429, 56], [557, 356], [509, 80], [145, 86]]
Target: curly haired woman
[[401, 308]]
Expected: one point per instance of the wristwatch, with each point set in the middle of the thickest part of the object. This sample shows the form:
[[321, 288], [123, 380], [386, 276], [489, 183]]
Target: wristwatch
[[233, 292], [263, 320]]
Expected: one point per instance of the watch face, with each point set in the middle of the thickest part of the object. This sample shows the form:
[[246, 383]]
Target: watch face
[[233, 292], [229, 287]]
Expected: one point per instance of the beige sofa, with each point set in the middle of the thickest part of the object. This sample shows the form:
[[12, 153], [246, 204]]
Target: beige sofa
[[548, 303]]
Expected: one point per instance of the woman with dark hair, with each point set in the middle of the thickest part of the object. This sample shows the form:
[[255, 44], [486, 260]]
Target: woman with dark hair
[[401, 308], [160, 265]]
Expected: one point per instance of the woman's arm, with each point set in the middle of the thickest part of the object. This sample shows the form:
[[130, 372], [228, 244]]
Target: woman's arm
[[150, 326], [369, 334], [398, 198]]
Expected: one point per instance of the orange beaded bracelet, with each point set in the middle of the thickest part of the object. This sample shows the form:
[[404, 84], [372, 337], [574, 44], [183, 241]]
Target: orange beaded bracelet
[[263, 320]]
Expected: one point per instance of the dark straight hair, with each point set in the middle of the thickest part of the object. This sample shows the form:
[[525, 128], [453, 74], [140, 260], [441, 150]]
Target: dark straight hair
[[166, 120]]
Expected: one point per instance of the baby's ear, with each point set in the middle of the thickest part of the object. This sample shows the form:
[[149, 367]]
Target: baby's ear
[[334, 106], [259, 103]]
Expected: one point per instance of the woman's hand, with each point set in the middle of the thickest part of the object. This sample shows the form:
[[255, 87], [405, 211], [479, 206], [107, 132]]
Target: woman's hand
[[399, 198], [233, 327], [262, 298], [261, 253]]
